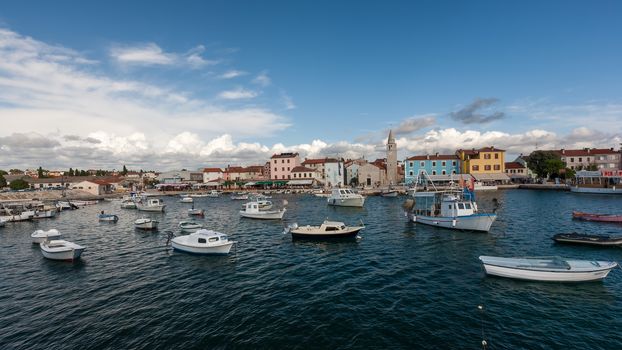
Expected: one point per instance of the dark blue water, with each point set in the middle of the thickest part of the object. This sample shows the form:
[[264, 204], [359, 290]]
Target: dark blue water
[[400, 286]]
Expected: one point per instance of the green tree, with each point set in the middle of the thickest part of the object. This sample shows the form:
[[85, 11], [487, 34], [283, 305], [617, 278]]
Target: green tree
[[124, 172], [15, 172], [2, 181], [592, 167], [83, 173], [542, 163], [19, 184], [40, 173], [2, 172], [70, 172], [569, 173]]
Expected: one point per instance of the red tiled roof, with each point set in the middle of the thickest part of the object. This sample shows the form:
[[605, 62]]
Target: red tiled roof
[[254, 169], [483, 149], [284, 155], [212, 170], [234, 169], [514, 165], [300, 169], [585, 152], [435, 157], [320, 161]]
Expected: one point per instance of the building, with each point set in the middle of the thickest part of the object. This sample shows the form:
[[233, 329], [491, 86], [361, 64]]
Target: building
[[517, 171], [371, 175], [281, 165], [436, 164], [183, 176], [94, 187], [391, 164], [255, 172], [596, 158], [334, 173], [352, 171], [485, 164], [212, 174]]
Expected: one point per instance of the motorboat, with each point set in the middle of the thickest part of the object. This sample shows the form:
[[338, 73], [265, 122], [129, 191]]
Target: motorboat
[[596, 217], [203, 242], [389, 193], [263, 204], [40, 235], [61, 250], [240, 197], [186, 200], [327, 230], [44, 213], [84, 203], [481, 186], [190, 226], [254, 211], [603, 181], [128, 204], [198, 195], [108, 217], [16, 212], [549, 269], [213, 194], [579, 238], [152, 204], [65, 205], [196, 212], [146, 224], [453, 208], [345, 197], [2, 223]]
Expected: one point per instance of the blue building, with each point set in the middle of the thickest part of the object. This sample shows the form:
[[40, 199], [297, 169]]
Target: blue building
[[433, 164]]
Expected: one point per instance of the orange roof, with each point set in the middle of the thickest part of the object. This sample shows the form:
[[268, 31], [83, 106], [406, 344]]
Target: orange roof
[[585, 151], [320, 161], [212, 170], [435, 157], [284, 155], [514, 165], [300, 169]]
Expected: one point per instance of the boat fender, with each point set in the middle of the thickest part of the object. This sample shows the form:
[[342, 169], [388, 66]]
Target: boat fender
[[453, 223]]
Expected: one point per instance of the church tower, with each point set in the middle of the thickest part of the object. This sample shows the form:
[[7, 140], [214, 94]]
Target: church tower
[[391, 160]]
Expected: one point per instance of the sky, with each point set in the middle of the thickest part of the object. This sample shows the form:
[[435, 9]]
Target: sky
[[190, 84]]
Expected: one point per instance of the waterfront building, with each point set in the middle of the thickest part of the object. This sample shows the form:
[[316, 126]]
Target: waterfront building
[[212, 174], [372, 175], [596, 158], [435, 164], [352, 171], [281, 165], [334, 173], [391, 162], [183, 176], [484, 164], [302, 175], [94, 187], [516, 171]]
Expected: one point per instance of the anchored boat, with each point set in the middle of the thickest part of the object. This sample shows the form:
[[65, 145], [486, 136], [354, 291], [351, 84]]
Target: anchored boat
[[596, 217], [40, 236], [203, 242], [345, 197], [61, 250], [146, 224], [107, 217], [153, 204], [327, 230], [253, 210], [190, 226], [579, 238]]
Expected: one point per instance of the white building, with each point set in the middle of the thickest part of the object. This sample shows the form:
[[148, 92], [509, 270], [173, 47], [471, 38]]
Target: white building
[[212, 174], [334, 173]]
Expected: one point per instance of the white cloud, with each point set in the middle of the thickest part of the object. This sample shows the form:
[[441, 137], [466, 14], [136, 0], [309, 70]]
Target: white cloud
[[262, 79], [147, 54], [287, 101], [232, 74], [237, 94]]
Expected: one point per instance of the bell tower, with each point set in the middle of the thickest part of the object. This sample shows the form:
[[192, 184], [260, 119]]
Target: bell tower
[[391, 160]]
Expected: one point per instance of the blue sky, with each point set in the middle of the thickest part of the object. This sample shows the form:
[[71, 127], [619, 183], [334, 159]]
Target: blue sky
[[238, 80]]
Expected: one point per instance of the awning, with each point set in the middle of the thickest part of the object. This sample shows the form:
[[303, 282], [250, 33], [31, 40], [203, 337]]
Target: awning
[[300, 182], [492, 177], [450, 177], [250, 184]]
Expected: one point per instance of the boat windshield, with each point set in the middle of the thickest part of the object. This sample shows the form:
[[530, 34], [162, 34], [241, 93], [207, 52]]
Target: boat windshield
[[548, 263]]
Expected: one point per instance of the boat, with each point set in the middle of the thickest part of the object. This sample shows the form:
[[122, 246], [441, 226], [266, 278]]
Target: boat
[[65, 205], [196, 211], [190, 226], [128, 204], [263, 204], [601, 181], [198, 195], [2, 223], [44, 213], [345, 197], [84, 203], [240, 197], [186, 200], [549, 269], [203, 242], [152, 204], [107, 217], [389, 193], [322, 195], [146, 224], [579, 238], [252, 210], [213, 194], [481, 186], [596, 217], [61, 250], [327, 230], [13, 212], [453, 208], [39, 235]]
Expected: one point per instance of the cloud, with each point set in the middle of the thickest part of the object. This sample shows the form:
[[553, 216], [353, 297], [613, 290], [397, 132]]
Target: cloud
[[262, 79], [470, 115], [151, 54], [416, 123], [287, 101], [232, 74], [237, 94], [27, 141]]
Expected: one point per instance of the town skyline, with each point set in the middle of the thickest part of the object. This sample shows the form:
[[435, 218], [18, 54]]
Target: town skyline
[[194, 94]]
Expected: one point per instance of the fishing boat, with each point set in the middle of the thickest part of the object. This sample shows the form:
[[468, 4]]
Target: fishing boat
[[454, 208], [549, 269], [579, 238], [107, 217], [128, 204], [61, 250], [190, 226], [152, 204], [602, 181], [196, 212], [596, 217], [327, 230], [84, 203], [345, 197], [40, 235], [252, 210], [203, 242], [146, 224], [44, 213], [198, 195], [186, 200], [13, 212]]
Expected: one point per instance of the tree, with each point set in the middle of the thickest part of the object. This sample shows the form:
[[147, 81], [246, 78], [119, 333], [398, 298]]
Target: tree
[[40, 173], [19, 184], [543, 163], [70, 172], [592, 167], [2, 180], [124, 172], [569, 173], [2, 172], [15, 172], [83, 173]]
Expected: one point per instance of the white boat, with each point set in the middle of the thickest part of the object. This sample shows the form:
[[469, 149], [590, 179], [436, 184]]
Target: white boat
[[252, 210], [61, 250], [389, 193], [328, 229], [65, 205], [186, 200], [240, 197], [602, 181], [198, 195], [15, 212], [203, 242], [152, 204], [190, 226], [128, 204], [213, 194], [480, 186], [196, 212], [263, 204], [549, 269], [146, 224], [44, 213], [39, 235], [2, 222], [84, 203], [345, 197], [453, 209], [107, 217]]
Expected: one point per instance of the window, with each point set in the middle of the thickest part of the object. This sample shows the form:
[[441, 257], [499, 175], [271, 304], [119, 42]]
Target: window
[[422, 164], [486, 155], [460, 205], [412, 164], [580, 159], [213, 239], [496, 155], [453, 163], [275, 161], [443, 163], [289, 176], [475, 168], [571, 160], [497, 167], [276, 169], [453, 171], [467, 205], [433, 172], [411, 173], [487, 167], [202, 240], [288, 160], [450, 206], [283, 177], [443, 172], [433, 163], [287, 168], [282, 168]]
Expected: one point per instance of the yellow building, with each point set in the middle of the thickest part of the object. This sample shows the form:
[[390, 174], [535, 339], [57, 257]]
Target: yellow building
[[487, 160]]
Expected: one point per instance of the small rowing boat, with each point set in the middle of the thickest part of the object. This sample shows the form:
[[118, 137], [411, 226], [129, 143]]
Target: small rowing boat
[[596, 217], [580, 238]]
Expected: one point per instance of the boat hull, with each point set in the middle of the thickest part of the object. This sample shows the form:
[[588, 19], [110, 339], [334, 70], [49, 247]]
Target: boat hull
[[547, 276], [588, 239], [217, 250], [596, 190], [150, 225], [596, 217], [325, 236], [44, 214], [157, 209], [347, 202], [264, 215], [477, 222], [390, 194]]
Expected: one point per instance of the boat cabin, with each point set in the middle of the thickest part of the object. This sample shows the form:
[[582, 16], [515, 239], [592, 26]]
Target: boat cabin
[[442, 204], [153, 202], [342, 192], [209, 238]]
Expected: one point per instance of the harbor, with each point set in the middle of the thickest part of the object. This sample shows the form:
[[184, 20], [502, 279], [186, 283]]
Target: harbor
[[401, 284]]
